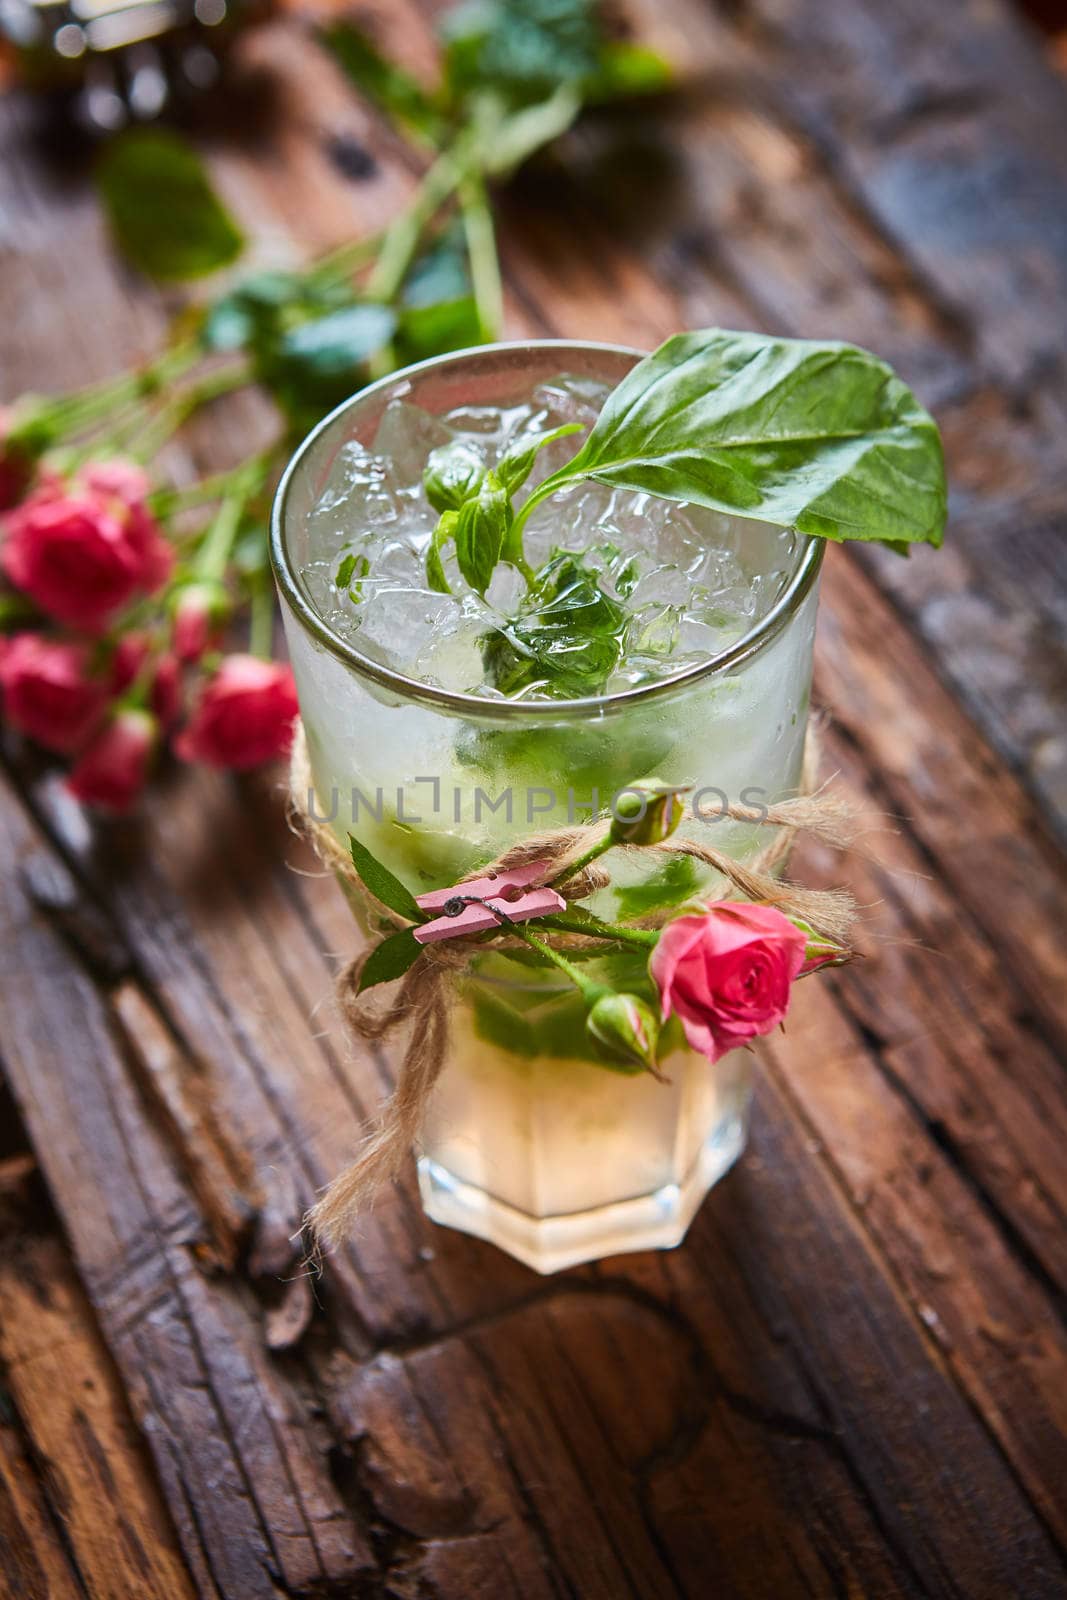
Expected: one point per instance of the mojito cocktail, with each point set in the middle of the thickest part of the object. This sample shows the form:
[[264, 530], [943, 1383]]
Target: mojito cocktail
[[667, 640]]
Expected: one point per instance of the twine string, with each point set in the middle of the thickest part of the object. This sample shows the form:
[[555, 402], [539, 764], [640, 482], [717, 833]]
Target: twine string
[[418, 1002]]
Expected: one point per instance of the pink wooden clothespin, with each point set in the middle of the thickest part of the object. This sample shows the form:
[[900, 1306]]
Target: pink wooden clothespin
[[507, 891]]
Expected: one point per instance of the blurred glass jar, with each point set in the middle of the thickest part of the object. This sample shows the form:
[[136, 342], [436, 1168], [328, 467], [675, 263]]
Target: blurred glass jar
[[117, 61]]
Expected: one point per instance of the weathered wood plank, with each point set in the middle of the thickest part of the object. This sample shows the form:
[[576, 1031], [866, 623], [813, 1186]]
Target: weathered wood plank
[[970, 815], [70, 1401], [33, 1562], [783, 1422], [248, 1487], [870, 1388], [35, 1558], [932, 1000], [899, 179]]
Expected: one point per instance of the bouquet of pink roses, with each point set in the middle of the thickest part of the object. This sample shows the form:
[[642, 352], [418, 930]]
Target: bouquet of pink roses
[[116, 623]]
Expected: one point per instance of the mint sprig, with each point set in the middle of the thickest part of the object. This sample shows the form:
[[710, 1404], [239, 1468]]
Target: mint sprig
[[476, 509]]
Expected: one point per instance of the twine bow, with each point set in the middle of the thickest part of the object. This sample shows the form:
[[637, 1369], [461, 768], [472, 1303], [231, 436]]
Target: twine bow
[[419, 1000]]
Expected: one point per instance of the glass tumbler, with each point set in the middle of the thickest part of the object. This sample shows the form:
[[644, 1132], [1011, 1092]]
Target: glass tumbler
[[529, 1140]]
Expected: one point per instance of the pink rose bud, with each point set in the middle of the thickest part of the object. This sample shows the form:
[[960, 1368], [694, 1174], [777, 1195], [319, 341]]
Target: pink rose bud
[[625, 1032], [819, 949], [727, 973], [49, 693], [244, 716], [201, 611], [130, 655], [72, 557], [16, 466], [646, 813], [112, 770], [165, 694], [163, 681], [116, 479]]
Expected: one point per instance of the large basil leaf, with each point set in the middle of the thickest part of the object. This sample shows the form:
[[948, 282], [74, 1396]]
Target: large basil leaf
[[165, 216], [823, 438]]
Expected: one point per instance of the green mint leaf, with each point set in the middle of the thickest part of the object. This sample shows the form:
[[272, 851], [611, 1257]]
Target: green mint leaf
[[624, 69], [434, 330], [332, 349], [453, 474], [677, 880], [567, 639], [524, 49], [435, 570], [351, 568], [481, 527], [314, 365], [391, 89], [441, 270], [382, 884], [390, 959], [515, 467], [164, 213], [823, 438], [241, 318]]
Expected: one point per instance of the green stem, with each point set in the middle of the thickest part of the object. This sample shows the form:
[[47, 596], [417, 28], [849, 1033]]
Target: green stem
[[595, 927], [589, 991], [403, 235], [180, 408], [261, 626], [598, 849], [213, 556], [482, 252], [15, 609], [245, 482], [345, 260], [543, 492], [81, 408], [164, 502]]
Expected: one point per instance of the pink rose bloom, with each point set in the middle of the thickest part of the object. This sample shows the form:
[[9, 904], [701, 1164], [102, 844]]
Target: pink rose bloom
[[48, 692], [73, 558], [83, 553], [728, 974], [122, 487], [111, 772], [244, 716]]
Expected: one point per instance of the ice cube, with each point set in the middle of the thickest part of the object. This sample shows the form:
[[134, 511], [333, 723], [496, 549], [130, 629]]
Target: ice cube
[[406, 434]]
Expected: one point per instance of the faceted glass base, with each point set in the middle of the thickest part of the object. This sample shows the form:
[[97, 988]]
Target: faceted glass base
[[653, 1221]]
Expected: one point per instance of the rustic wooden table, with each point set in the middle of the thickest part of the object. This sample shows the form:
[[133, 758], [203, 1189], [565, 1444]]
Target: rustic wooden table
[[851, 1380]]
